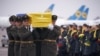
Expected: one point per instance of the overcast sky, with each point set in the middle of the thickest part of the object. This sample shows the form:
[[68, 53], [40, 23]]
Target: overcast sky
[[63, 8]]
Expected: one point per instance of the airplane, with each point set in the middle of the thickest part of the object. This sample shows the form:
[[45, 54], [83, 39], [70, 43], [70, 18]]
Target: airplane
[[79, 17]]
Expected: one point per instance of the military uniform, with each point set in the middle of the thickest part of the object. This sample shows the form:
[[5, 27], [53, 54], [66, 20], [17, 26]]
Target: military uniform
[[98, 41], [93, 43], [27, 46], [61, 43], [74, 43], [11, 41], [49, 45], [69, 38], [87, 44], [40, 34], [10, 35], [17, 42]]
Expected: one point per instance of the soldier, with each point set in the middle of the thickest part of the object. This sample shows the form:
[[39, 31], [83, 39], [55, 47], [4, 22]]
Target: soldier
[[11, 38], [97, 34], [16, 36], [69, 38], [26, 38], [26, 22], [62, 47], [74, 41], [80, 37], [86, 41], [46, 39], [49, 46], [94, 40]]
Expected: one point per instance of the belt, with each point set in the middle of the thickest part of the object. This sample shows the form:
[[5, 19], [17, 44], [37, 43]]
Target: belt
[[49, 40], [17, 41], [46, 40], [11, 41], [25, 42]]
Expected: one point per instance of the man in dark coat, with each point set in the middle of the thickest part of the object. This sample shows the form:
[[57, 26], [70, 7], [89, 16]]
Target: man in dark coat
[[98, 40], [16, 36], [86, 41], [11, 38], [49, 46], [45, 39], [27, 45]]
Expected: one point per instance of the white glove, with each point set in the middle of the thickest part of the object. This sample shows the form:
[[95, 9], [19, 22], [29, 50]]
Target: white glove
[[31, 28], [51, 27]]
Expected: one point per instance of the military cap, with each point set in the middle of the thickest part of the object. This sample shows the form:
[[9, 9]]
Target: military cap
[[21, 15], [19, 19], [85, 25], [12, 18], [25, 17], [54, 17]]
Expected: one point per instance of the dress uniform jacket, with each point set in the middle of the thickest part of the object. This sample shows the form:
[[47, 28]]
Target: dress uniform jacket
[[17, 43], [39, 34], [49, 46], [98, 41], [93, 43], [43, 40], [27, 46], [87, 39], [11, 41], [61, 43], [74, 44]]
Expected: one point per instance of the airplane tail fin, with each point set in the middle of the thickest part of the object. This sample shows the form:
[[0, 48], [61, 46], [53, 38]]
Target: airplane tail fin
[[50, 8], [77, 14], [84, 14]]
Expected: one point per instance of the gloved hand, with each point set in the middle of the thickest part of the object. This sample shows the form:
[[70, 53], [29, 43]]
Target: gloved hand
[[51, 26], [31, 28]]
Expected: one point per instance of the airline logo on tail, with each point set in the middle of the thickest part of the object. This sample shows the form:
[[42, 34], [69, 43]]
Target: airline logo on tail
[[50, 8], [80, 14], [84, 14]]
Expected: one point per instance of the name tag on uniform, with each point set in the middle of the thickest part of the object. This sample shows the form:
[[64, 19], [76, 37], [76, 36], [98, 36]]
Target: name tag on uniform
[[40, 19]]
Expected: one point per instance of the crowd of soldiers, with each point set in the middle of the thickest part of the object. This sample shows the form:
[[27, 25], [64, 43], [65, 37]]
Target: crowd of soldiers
[[79, 40], [25, 40], [72, 40]]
